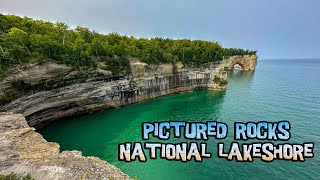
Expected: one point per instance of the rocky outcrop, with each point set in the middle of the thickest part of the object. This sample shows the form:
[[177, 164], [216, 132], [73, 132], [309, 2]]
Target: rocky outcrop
[[247, 62], [23, 150], [47, 91]]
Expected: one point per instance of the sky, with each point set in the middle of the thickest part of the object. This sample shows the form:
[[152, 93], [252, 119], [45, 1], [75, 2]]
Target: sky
[[275, 28]]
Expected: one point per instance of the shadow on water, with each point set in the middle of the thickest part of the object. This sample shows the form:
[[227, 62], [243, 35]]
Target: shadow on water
[[239, 84], [242, 77]]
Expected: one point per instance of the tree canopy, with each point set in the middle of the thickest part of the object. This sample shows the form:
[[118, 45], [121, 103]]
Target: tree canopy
[[23, 39]]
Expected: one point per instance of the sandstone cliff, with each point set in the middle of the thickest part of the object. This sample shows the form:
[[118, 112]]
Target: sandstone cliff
[[22, 150], [47, 91]]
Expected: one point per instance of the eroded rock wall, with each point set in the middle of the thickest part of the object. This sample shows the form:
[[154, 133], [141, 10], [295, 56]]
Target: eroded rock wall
[[45, 92]]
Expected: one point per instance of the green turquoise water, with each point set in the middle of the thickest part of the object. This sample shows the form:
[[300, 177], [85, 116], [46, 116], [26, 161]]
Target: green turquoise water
[[277, 90]]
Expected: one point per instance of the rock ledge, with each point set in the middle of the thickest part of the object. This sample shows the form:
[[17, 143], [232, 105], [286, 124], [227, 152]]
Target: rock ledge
[[23, 150]]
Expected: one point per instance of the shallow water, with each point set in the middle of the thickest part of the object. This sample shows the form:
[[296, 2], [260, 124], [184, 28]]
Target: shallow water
[[276, 90]]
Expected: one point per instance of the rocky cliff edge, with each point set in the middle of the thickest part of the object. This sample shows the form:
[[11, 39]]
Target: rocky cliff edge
[[23, 150]]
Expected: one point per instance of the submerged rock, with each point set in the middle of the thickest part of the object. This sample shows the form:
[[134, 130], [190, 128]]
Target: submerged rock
[[23, 150]]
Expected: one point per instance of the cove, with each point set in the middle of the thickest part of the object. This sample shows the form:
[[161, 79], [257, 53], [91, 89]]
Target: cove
[[276, 90]]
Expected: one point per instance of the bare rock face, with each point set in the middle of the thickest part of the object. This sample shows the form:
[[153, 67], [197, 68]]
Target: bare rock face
[[23, 150]]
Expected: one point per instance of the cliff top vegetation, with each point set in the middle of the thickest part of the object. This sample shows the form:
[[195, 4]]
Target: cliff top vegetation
[[24, 40]]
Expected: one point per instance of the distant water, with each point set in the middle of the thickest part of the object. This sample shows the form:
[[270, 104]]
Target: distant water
[[277, 90]]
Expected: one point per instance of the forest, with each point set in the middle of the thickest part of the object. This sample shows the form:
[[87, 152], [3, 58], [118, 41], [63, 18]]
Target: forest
[[24, 40]]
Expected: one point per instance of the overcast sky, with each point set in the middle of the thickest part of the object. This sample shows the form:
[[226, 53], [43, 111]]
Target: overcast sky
[[276, 28]]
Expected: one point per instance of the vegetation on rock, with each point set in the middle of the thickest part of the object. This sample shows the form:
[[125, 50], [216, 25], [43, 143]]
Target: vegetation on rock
[[220, 81], [15, 176]]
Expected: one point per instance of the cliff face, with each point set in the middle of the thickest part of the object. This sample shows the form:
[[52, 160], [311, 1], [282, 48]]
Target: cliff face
[[25, 151], [46, 91]]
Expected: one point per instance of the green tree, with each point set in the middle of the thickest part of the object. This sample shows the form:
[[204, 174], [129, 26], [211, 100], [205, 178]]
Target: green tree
[[20, 36]]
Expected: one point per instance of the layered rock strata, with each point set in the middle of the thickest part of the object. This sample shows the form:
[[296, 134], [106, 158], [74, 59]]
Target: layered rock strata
[[46, 91]]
